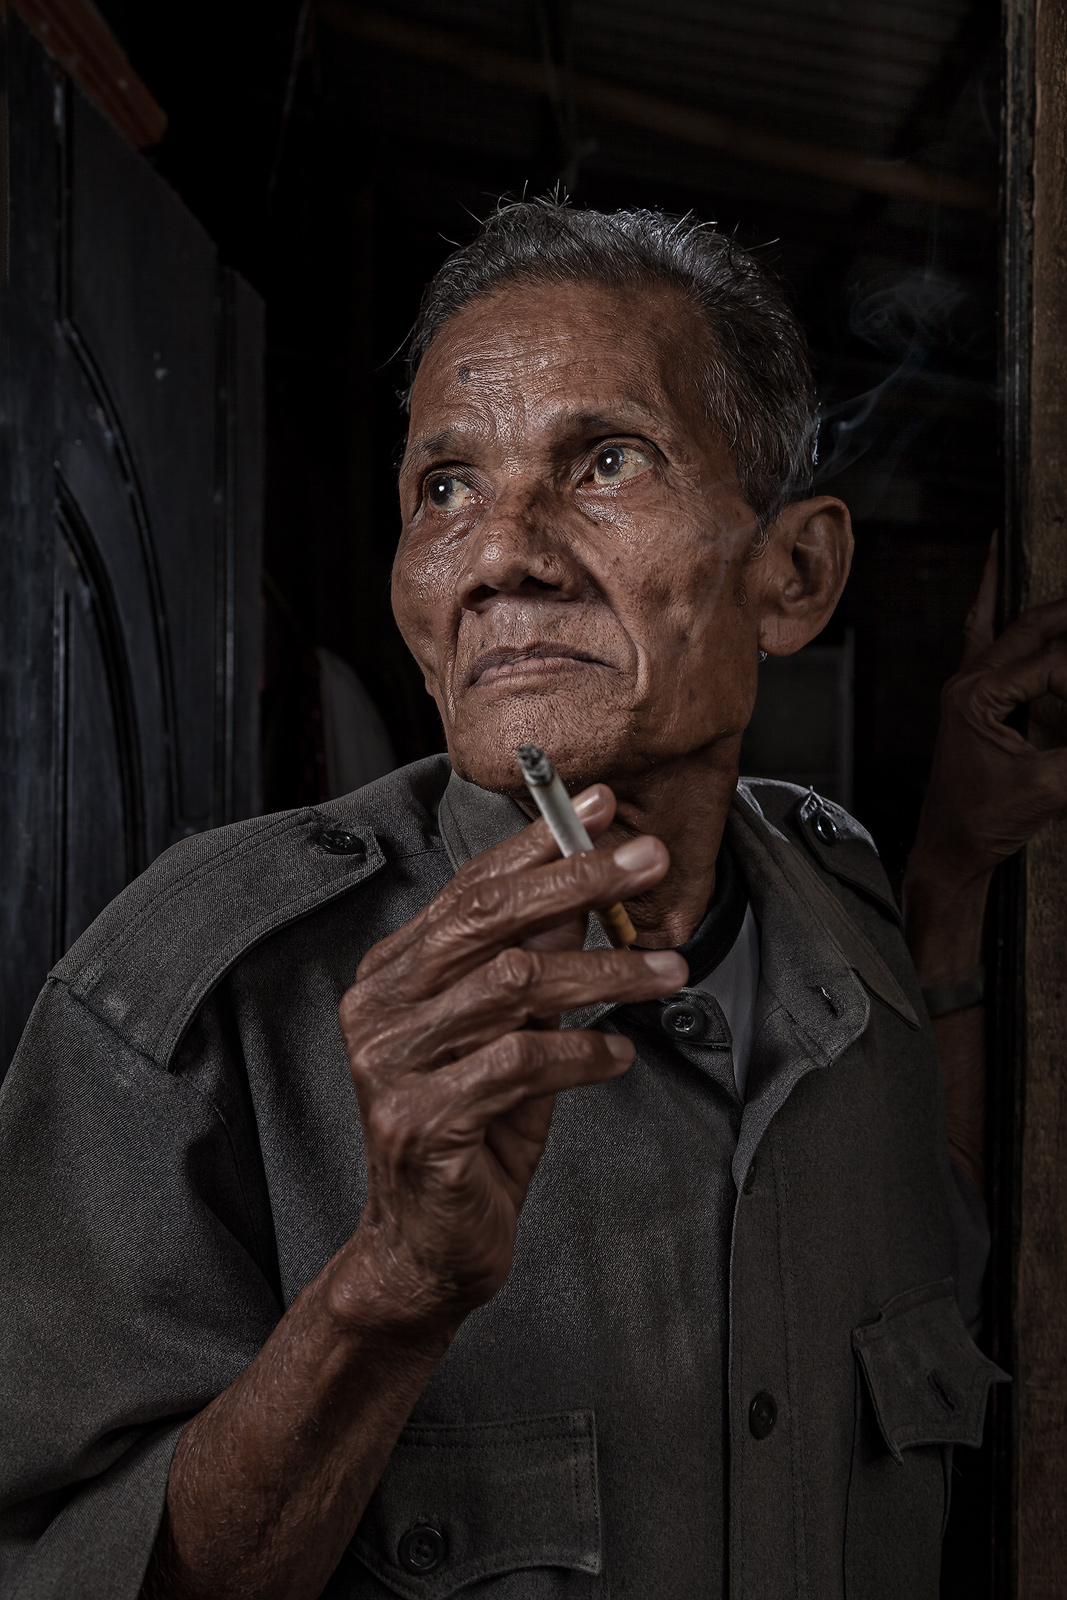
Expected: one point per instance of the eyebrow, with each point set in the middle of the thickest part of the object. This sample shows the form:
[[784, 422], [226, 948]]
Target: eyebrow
[[445, 443], [610, 421], [450, 443]]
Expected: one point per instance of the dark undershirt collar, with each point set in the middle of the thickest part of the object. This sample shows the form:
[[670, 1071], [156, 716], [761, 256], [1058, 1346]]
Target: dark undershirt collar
[[715, 937]]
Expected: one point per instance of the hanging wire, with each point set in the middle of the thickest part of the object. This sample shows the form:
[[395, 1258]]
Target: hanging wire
[[299, 36], [554, 20]]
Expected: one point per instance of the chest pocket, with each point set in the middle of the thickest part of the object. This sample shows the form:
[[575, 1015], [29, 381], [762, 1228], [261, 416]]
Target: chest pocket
[[921, 1387], [458, 1505]]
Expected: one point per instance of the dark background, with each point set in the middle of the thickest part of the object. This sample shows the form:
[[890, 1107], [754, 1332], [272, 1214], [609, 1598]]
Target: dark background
[[335, 173]]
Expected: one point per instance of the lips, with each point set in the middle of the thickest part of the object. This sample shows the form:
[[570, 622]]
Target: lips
[[498, 662]]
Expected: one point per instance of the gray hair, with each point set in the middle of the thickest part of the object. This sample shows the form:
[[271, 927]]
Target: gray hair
[[757, 381]]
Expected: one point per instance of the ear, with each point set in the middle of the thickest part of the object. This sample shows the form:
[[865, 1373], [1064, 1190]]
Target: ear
[[802, 570]]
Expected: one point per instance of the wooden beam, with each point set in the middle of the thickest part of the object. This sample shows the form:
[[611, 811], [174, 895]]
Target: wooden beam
[[77, 37], [673, 120], [1040, 1502]]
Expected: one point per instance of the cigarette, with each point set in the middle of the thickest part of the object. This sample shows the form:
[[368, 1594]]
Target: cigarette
[[554, 804]]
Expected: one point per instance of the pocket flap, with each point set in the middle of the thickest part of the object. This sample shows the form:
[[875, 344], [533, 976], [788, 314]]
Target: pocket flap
[[456, 1504], [928, 1380]]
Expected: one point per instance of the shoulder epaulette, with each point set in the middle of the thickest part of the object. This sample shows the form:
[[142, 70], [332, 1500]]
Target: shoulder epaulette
[[839, 844], [153, 954]]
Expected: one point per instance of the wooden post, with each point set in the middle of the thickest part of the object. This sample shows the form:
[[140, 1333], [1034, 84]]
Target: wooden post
[[1036, 571]]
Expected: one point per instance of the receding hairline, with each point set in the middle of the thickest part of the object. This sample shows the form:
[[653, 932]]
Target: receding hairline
[[695, 364]]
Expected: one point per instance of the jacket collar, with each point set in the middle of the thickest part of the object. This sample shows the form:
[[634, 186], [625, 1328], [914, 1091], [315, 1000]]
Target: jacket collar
[[472, 820]]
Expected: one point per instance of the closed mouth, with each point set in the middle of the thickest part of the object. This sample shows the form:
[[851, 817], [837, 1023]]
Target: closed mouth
[[505, 662]]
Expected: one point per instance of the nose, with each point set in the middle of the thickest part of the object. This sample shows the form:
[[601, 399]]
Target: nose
[[521, 550]]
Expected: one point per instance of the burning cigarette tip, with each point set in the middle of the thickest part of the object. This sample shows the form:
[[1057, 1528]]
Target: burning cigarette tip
[[537, 769]]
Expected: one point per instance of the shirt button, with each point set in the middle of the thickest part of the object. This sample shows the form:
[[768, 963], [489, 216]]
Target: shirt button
[[422, 1549], [339, 842], [825, 827], [762, 1414], [683, 1020]]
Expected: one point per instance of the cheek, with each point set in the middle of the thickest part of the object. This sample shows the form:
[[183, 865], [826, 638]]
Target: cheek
[[691, 607], [694, 629], [422, 582]]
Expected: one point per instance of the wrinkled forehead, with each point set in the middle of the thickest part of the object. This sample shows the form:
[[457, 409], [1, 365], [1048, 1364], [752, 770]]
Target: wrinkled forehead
[[529, 352]]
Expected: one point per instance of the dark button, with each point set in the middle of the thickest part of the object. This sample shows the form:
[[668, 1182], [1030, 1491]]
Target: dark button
[[683, 1019], [825, 827], [750, 1177], [762, 1414], [339, 842], [422, 1548]]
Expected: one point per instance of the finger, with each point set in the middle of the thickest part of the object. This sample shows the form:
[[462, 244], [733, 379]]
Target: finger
[[488, 915], [492, 915], [978, 629], [998, 693], [530, 847], [1033, 630], [462, 1098], [517, 988], [416, 1123]]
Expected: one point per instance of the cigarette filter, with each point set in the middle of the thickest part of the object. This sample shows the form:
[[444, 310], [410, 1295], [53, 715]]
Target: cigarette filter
[[554, 804]]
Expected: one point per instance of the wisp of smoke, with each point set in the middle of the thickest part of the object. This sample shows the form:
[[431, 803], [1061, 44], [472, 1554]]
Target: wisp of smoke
[[904, 314]]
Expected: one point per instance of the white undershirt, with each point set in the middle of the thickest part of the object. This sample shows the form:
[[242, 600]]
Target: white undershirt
[[733, 984]]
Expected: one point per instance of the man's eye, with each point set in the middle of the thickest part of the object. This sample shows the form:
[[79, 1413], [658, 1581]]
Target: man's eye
[[617, 462], [447, 493]]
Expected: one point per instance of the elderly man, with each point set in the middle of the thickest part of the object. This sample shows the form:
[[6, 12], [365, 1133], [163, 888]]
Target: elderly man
[[298, 1308]]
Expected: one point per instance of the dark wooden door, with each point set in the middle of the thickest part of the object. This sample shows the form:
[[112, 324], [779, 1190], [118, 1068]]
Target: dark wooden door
[[131, 456]]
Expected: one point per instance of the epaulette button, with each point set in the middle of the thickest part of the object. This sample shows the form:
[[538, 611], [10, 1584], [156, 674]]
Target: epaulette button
[[339, 842], [825, 827]]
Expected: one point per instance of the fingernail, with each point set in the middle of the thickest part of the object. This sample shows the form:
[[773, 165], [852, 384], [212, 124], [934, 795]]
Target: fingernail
[[620, 1048], [637, 853], [666, 964], [589, 803]]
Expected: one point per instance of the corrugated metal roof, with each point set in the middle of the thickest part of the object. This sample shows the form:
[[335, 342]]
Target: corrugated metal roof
[[840, 76], [820, 69]]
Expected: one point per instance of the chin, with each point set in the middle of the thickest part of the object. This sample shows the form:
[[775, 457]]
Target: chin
[[585, 744]]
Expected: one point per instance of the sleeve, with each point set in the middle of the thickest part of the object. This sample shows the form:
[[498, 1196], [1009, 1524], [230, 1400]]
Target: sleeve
[[133, 1294], [970, 1223]]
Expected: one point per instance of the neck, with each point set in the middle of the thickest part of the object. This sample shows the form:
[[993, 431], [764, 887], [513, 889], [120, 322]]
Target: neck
[[684, 803]]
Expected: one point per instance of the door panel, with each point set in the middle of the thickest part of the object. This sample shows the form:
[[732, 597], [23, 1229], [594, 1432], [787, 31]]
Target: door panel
[[131, 454], [96, 775], [140, 318]]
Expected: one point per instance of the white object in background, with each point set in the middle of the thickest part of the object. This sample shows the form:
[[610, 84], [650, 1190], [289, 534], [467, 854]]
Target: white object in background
[[358, 748]]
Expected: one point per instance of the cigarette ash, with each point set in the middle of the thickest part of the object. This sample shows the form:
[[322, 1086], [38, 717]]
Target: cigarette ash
[[536, 768]]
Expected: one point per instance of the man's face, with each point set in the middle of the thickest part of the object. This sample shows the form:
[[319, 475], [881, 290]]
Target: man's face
[[571, 570]]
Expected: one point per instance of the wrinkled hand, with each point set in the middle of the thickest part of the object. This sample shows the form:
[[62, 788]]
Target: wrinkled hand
[[991, 789], [456, 1054]]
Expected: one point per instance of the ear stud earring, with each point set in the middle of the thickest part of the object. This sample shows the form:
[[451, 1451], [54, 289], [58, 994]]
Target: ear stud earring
[[763, 655]]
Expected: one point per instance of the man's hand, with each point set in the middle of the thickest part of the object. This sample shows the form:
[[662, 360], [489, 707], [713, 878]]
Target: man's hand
[[990, 791], [456, 1055], [452, 1034]]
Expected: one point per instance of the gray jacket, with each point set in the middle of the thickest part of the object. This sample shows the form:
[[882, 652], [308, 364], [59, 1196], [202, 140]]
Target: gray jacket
[[729, 1358]]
